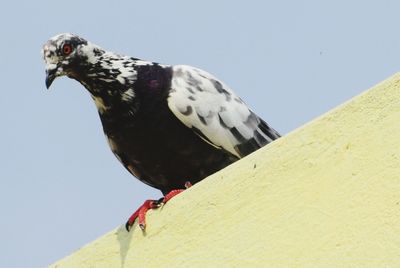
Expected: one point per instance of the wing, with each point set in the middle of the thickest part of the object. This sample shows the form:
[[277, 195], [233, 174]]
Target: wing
[[216, 113]]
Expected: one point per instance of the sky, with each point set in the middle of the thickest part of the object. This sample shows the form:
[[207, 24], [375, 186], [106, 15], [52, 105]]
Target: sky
[[291, 61]]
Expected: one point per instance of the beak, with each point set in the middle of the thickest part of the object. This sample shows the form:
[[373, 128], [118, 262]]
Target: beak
[[52, 71]]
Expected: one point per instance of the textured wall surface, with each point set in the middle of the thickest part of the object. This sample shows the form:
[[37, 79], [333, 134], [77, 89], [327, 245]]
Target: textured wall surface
[[325, 195]]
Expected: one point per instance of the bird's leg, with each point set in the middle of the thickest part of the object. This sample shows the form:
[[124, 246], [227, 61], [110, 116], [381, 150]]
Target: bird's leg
[[173, 193], [140, 213]]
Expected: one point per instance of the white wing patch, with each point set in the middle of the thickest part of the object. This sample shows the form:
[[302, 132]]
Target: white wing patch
[[213, 110]]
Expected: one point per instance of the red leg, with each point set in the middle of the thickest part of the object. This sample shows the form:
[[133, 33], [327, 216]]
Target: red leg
[[140, 213], [173, 193]]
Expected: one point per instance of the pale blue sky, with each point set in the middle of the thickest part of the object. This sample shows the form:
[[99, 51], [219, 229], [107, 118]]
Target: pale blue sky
[[61, 187]]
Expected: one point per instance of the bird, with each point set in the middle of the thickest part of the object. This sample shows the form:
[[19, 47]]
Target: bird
[[170, 126]]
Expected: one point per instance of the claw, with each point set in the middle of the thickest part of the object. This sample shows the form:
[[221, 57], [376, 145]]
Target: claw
[[128, 226], [188, 184]]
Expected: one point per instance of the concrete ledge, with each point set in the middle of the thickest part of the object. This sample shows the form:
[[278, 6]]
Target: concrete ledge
[[326, 195]]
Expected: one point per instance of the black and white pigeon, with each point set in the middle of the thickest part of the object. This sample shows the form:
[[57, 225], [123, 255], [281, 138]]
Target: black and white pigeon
[[169, 125]]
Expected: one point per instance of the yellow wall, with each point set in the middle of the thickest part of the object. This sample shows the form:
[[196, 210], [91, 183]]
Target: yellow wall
[[326, 195]]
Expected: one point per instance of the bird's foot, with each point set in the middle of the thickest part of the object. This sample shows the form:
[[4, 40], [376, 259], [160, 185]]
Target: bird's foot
[[140, 213]]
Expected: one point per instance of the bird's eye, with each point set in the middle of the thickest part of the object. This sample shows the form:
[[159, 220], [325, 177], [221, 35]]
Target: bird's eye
[[66, 49]]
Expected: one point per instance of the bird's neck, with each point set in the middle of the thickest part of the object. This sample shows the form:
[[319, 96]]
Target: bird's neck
[[107, 72], [117, 83], [110, 80]]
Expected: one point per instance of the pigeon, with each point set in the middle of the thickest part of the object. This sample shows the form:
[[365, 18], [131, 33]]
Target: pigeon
[[170, 126]]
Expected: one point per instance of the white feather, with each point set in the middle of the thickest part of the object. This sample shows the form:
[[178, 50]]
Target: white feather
[[195, 88]]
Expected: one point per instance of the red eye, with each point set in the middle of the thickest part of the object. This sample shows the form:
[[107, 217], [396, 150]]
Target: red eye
[[67, 49]]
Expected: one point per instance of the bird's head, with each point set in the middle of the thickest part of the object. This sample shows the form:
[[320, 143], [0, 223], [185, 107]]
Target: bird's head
[[66, 54]]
